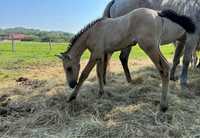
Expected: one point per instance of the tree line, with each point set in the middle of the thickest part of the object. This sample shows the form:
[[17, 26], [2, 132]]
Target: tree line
[[38, 35]]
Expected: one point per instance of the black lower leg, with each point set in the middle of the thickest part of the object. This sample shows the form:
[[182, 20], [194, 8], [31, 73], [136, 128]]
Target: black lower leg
[[124, 61]]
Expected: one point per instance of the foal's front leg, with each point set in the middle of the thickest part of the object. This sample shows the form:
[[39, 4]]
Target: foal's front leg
[[91, 63], [106, 65], [100, 72]]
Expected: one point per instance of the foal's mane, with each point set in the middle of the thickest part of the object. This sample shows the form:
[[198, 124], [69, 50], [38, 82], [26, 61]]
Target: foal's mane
[[87, 27]]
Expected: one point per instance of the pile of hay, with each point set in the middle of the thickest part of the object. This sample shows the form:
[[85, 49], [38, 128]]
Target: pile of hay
[[131, 111]]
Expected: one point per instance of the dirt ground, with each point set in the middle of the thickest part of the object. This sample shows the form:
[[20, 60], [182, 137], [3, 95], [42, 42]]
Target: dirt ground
[[35, 106]]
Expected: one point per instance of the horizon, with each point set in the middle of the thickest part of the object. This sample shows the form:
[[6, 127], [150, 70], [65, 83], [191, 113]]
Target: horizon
[[49, 15], [36, 29]]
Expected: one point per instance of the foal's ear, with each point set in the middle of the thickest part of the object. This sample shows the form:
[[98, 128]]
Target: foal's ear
[[68, 57], [60, 56]]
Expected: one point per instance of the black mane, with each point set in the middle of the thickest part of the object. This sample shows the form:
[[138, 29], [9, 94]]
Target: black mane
[[76, 37]]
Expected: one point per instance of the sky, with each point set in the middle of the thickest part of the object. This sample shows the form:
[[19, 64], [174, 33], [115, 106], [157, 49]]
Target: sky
[[57, 15]]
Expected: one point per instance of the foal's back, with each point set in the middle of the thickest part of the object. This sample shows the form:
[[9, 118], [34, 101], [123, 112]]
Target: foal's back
[[116, 33], [140, 25]]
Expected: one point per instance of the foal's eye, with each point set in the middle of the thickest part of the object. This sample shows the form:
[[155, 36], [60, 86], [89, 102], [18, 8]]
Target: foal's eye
[[69, 69]]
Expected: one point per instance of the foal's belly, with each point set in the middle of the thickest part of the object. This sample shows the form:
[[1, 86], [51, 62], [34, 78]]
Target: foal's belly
[[119, 46]]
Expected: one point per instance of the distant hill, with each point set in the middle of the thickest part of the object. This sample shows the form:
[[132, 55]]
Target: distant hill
[[38, 35]]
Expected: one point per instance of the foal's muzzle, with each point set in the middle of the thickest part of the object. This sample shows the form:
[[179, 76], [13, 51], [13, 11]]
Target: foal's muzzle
[[72, 84]]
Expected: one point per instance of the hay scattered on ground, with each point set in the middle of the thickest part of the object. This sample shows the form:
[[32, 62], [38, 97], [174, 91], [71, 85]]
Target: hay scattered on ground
[[131, 111]]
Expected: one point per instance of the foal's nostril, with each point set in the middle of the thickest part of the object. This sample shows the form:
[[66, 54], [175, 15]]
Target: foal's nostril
[[73, 84]]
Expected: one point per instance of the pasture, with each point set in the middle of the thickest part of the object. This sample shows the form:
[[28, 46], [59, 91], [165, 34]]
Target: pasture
[[36, 107], [35, 54]]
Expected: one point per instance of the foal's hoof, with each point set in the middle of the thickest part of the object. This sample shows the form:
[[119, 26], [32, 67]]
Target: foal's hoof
[[100, 94], [163, 109], [163, 106], [71, 98]]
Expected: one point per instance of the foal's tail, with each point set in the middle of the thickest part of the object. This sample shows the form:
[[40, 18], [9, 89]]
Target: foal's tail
[[184, 21], [106, 12]]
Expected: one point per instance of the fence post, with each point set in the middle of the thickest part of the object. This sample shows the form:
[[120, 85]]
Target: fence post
[[13, 44], [50, 45]]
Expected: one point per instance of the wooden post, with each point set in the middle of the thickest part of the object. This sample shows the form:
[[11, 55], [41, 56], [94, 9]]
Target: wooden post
[[50, 45], [13, 44]]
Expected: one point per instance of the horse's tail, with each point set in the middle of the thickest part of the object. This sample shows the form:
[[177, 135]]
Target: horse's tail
[[184, 21], [106, 12]]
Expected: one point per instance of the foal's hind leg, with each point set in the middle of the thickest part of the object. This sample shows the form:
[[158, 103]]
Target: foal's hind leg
[[124, 55], [162, 65]]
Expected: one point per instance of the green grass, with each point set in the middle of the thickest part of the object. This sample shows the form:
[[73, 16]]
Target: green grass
[[27, 53], [137, 53], [33, 54]]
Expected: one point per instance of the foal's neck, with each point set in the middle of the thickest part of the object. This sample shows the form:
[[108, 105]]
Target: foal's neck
[[77, 50]]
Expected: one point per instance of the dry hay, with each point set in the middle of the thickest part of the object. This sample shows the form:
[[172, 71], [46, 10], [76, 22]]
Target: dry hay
[[131, 111]]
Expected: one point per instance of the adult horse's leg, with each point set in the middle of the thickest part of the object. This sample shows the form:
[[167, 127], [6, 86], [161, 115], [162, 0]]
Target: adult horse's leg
[[190, 46], [194, 60], [176, 59], [124, 55], [100, 71], [107, 58], [198, 66], [91, 63], [162, 65]]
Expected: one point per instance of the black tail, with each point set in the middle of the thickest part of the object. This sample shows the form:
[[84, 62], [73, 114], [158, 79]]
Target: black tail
[[184, 21], [107, 10]]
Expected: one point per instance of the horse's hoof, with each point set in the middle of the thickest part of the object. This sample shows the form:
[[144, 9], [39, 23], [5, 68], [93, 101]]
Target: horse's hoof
[[174, 78], [104, 82], [109, 94], [71, 98], [129, 80], [184, 86], [186, 94]]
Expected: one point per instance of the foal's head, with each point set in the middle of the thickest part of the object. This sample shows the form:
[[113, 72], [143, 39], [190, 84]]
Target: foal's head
[[77, 46], [71, 68]]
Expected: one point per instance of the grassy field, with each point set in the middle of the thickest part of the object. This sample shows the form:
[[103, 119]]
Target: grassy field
[[34, 54], [28, 53], [37, 107]]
